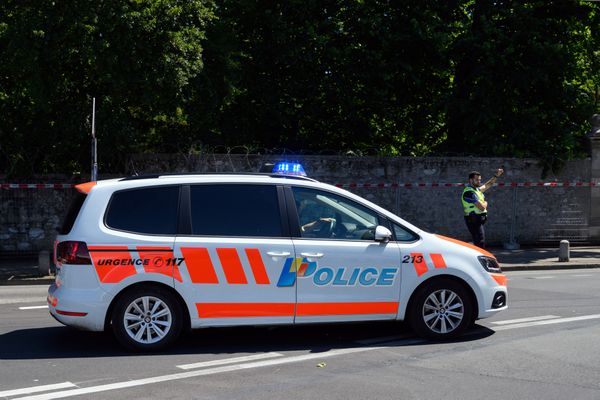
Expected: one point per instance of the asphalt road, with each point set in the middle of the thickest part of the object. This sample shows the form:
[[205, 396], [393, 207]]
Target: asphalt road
[[545, 346]]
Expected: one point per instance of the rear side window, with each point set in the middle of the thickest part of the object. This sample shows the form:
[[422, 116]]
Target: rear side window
[[72, 213], [149, 210], [235, 210]]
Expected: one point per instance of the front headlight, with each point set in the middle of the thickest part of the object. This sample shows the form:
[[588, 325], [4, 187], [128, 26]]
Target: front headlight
[[489, 264]]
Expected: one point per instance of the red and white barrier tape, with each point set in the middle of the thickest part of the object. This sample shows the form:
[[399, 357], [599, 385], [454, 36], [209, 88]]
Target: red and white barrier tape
[[36, 185], [352, 185], [444, 184]]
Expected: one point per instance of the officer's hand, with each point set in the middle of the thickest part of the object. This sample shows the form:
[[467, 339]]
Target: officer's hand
[[499, 171]]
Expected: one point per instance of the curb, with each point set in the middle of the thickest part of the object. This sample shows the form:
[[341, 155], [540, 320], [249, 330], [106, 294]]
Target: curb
[[46, 280], [547, 267]]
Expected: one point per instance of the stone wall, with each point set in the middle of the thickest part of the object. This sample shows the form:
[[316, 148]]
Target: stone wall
[[534, 215]]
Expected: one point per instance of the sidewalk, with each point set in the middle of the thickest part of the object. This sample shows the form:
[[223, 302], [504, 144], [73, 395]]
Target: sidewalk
[[546, 258], [18, 271]]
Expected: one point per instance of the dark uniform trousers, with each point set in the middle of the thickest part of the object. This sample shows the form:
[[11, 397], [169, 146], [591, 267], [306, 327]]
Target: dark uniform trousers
[[475, 224]]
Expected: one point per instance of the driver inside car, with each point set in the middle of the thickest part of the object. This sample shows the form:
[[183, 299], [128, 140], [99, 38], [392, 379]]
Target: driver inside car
[[316, 226]]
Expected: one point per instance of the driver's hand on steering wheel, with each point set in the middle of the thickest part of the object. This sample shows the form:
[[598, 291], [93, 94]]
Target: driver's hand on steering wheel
[[316, 225]]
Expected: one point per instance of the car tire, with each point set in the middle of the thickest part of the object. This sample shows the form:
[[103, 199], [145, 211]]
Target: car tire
[[147, 318], [441, 310]]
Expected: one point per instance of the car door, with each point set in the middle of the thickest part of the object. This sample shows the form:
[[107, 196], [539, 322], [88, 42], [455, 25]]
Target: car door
[[341, 272], [237, 245]]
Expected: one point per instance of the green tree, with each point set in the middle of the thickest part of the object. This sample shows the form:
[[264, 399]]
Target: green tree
[[336, 75], [136, 57], [516, 87]]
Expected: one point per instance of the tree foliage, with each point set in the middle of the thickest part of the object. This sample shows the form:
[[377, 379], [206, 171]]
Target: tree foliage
[[477, 77], [136, 57]]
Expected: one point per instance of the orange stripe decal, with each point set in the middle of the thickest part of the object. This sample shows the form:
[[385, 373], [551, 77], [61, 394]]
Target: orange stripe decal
[[199, 265], [239, 310], [438, 260], [500, 279], [85, 187], [232, 266], [258, 267], [469, 245], [419, 263], [316, 309], [112, 267], [160, 261]]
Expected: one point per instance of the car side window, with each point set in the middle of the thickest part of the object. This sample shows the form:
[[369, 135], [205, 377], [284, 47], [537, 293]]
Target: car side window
[[325, 215], [151, 210], [235, 210], [403, 234]]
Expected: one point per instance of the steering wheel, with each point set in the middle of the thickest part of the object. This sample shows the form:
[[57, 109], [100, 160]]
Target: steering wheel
[[327, 228]]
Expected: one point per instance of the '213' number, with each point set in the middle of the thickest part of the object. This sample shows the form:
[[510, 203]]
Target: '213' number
[[412, 259]]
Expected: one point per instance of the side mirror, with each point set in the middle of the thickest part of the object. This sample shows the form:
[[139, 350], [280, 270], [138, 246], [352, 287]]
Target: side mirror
[[382, 234]]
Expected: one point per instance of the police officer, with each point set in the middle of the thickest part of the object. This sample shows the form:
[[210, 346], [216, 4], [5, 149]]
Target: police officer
[[475, 206]]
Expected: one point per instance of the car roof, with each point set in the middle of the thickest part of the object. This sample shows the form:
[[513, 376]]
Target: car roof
[[193, 178]]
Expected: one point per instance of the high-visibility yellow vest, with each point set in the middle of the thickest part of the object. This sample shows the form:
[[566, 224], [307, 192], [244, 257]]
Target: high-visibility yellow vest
[[471, 207]]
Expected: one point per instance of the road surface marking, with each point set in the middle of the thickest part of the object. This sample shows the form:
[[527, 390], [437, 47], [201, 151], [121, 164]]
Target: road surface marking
[[22, 300], [520, 320], [547, 322], [542, 277], [581, 276], [37, 389], [229, 361], [32, 307], [202, 372]]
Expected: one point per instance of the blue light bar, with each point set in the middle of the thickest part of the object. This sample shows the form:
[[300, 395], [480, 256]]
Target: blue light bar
[[287, 168]]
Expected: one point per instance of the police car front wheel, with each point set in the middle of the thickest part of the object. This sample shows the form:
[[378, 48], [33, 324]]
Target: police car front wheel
[[147, 318], [441, 310]]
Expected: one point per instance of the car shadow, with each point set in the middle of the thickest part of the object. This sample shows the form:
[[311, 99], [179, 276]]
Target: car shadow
[[65, 342]]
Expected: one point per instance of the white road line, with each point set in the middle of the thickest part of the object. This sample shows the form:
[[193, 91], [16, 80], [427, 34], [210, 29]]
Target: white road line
[[37, 389], [581, 276], [202, 372], [229, 360], [23, 300], [32, 307], [547, 322], [543, 277], [520, 320]]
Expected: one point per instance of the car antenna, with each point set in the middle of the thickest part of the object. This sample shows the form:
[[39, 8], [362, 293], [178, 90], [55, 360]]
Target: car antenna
[[94, 143]]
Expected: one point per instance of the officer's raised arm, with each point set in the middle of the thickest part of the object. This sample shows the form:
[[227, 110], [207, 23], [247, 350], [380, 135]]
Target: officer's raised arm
[[492, 180]]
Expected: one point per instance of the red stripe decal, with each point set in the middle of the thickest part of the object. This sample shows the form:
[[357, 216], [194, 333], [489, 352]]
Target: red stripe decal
[[500, 279], [199, 265], [438, 260], [469, 245], [419, 263], [232, 266], [239, 310], [159, 260], [258, 267], [112, 267], [316, 309]]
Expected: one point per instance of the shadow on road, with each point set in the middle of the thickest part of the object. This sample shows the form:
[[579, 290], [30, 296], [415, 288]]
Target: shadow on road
[[65, 342]]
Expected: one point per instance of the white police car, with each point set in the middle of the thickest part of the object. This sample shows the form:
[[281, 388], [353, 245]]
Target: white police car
[[149, 256]]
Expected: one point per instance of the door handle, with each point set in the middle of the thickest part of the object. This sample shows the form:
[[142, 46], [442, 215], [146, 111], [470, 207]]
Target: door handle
[[278, 254], [312, 255]]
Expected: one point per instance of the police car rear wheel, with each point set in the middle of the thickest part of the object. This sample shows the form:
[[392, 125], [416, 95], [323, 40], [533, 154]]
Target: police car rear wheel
[[442, 310], [147, 319]]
